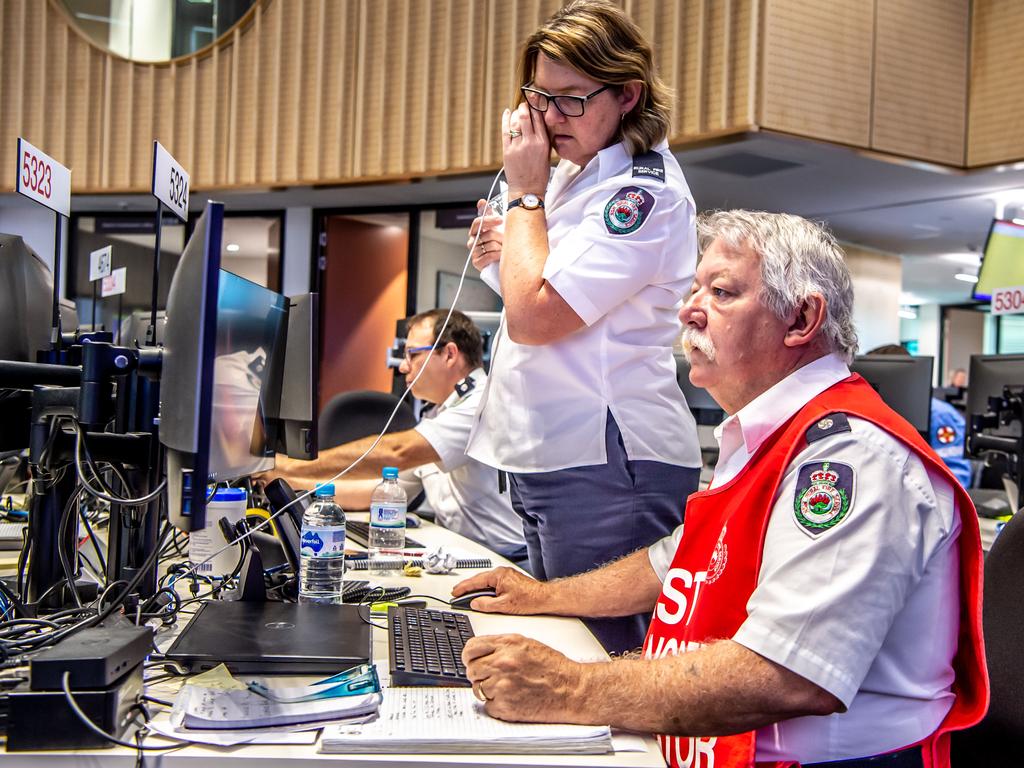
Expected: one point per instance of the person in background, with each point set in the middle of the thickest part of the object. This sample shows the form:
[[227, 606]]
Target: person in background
[[432, 456], [958, 378], [582, 408], [822, 600], [946, 429]]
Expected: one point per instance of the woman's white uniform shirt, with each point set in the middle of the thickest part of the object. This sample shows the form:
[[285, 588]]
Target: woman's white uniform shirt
[[545, 406]]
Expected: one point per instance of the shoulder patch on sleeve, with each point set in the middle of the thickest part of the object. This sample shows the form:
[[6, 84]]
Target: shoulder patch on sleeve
[[823, 497], [832, 424], [650, 164], [628, 209]]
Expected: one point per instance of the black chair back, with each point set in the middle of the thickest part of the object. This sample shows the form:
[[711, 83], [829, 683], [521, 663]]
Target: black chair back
[[352, 415], [1001, 732]]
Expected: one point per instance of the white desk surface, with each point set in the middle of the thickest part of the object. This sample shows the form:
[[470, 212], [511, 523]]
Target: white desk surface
[[567, 635]]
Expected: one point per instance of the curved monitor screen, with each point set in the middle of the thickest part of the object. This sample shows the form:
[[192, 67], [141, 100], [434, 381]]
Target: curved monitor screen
[[1002, 266], [251, 321]]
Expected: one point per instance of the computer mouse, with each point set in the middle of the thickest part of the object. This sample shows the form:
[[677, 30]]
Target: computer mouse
[[412, 520], [462, 601]]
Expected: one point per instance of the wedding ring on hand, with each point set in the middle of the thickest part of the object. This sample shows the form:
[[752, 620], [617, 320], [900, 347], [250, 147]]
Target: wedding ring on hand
[[478, 691], [514, 134]]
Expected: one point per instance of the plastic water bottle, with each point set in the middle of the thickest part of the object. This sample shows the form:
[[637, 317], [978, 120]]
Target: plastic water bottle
[[388, 506], [322, 567]]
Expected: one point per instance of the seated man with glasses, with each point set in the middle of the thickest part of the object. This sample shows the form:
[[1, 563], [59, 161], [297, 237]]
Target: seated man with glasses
[[432, 456]]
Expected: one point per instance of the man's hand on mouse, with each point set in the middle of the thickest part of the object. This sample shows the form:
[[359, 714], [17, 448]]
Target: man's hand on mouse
[[514, 592]]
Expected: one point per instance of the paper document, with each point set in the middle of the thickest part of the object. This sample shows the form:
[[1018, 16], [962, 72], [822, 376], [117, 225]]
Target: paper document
[[451, 720], [209, 708]]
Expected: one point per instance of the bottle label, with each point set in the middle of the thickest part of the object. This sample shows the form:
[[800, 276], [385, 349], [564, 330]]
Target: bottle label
[[387, 515], [323, 541]]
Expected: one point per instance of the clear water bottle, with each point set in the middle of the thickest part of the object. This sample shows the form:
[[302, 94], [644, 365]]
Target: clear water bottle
[[322, 567], [388, 506]]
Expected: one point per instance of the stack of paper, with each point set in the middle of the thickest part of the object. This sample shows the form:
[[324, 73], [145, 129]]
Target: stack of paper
[[451, 720], [353, 696]]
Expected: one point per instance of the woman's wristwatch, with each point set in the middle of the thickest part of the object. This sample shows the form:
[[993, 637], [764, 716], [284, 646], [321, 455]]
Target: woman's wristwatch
[[529, 201]]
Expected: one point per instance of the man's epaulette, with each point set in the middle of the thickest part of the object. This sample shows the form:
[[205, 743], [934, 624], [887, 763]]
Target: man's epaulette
[[832, 424]]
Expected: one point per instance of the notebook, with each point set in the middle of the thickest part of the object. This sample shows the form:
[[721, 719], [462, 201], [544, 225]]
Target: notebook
[[451, 721], [273, 638]]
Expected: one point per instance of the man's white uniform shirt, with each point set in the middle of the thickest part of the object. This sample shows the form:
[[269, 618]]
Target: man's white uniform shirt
[[546, 405], [867, 609], [463, 492]]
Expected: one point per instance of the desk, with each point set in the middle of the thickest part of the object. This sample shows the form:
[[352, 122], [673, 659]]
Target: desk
[[567, 635]]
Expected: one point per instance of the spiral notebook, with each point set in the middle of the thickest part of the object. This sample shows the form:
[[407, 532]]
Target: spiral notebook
[[451, 720]]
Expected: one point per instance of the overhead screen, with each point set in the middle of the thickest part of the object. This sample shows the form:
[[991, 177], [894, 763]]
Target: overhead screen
[[1002, 265]]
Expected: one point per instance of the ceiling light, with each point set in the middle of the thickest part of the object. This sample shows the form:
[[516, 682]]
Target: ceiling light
[[966, 258], [908, 313], [966, 278], [233, 247]]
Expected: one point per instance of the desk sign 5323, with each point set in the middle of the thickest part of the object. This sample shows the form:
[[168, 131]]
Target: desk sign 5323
[[43, 179], [170, 181]]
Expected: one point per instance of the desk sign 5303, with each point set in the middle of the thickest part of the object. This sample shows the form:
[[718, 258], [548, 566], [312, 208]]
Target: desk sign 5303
[[43, 179], [1008, 301], [170, 182]]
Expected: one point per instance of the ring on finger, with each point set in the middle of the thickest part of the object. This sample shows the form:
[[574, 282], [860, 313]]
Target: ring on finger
[[478, 692]]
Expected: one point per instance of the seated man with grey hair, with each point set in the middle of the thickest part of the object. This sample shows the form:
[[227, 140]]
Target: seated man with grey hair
[[821, 603]]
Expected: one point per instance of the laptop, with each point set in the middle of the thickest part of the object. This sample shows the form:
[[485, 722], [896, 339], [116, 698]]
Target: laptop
[[274, 638]]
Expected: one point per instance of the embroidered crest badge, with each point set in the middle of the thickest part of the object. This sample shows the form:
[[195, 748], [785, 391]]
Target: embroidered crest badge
[[824, 493], [945, 435], [627, 211], [719, 558]]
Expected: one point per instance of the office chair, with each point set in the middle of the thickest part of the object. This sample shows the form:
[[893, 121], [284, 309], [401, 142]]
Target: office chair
[[1001, 732], [352, 415]]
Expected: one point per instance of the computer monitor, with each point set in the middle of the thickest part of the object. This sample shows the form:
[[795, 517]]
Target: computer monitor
[[704, 408], [1002, 263], [26, 301], [294, 394], [134, 327], [904, 383], [222, 332], [988, 375]]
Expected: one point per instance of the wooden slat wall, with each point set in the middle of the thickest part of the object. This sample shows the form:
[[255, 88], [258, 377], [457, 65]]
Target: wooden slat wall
[[817, 70], [920, 102], [997, 71], [340, 91]]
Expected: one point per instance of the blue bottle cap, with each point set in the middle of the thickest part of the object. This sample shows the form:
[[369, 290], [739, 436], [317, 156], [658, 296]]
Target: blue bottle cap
[[390, 473], [229, 494], [325, 489]]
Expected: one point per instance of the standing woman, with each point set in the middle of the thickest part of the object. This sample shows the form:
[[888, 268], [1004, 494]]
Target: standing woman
[[582, 408]]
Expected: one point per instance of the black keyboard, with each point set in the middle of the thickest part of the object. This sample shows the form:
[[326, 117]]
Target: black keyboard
[[359, 532], [425, 647]]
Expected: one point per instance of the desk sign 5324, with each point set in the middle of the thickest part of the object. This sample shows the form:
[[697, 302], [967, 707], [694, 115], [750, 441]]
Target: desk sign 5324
[[43, 179], [170, 181]]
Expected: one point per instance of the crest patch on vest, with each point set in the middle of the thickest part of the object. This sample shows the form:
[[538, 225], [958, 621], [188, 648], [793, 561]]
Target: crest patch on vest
[[627, 211], [824, 494], [945, 434]]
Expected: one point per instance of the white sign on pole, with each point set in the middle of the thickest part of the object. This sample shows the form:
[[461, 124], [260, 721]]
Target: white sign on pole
[[43, 179], [99, 263], [170, 181], [114, 283], [1008, 301]]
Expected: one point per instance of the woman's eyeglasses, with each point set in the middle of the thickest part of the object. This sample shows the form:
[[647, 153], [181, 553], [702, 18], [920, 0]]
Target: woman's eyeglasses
[[570, 106]]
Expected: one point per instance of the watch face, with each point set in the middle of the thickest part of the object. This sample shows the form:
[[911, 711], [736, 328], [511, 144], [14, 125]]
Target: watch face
[[531, 201]]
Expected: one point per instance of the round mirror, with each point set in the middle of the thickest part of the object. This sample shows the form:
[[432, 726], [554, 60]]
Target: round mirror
[[155, 30]]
